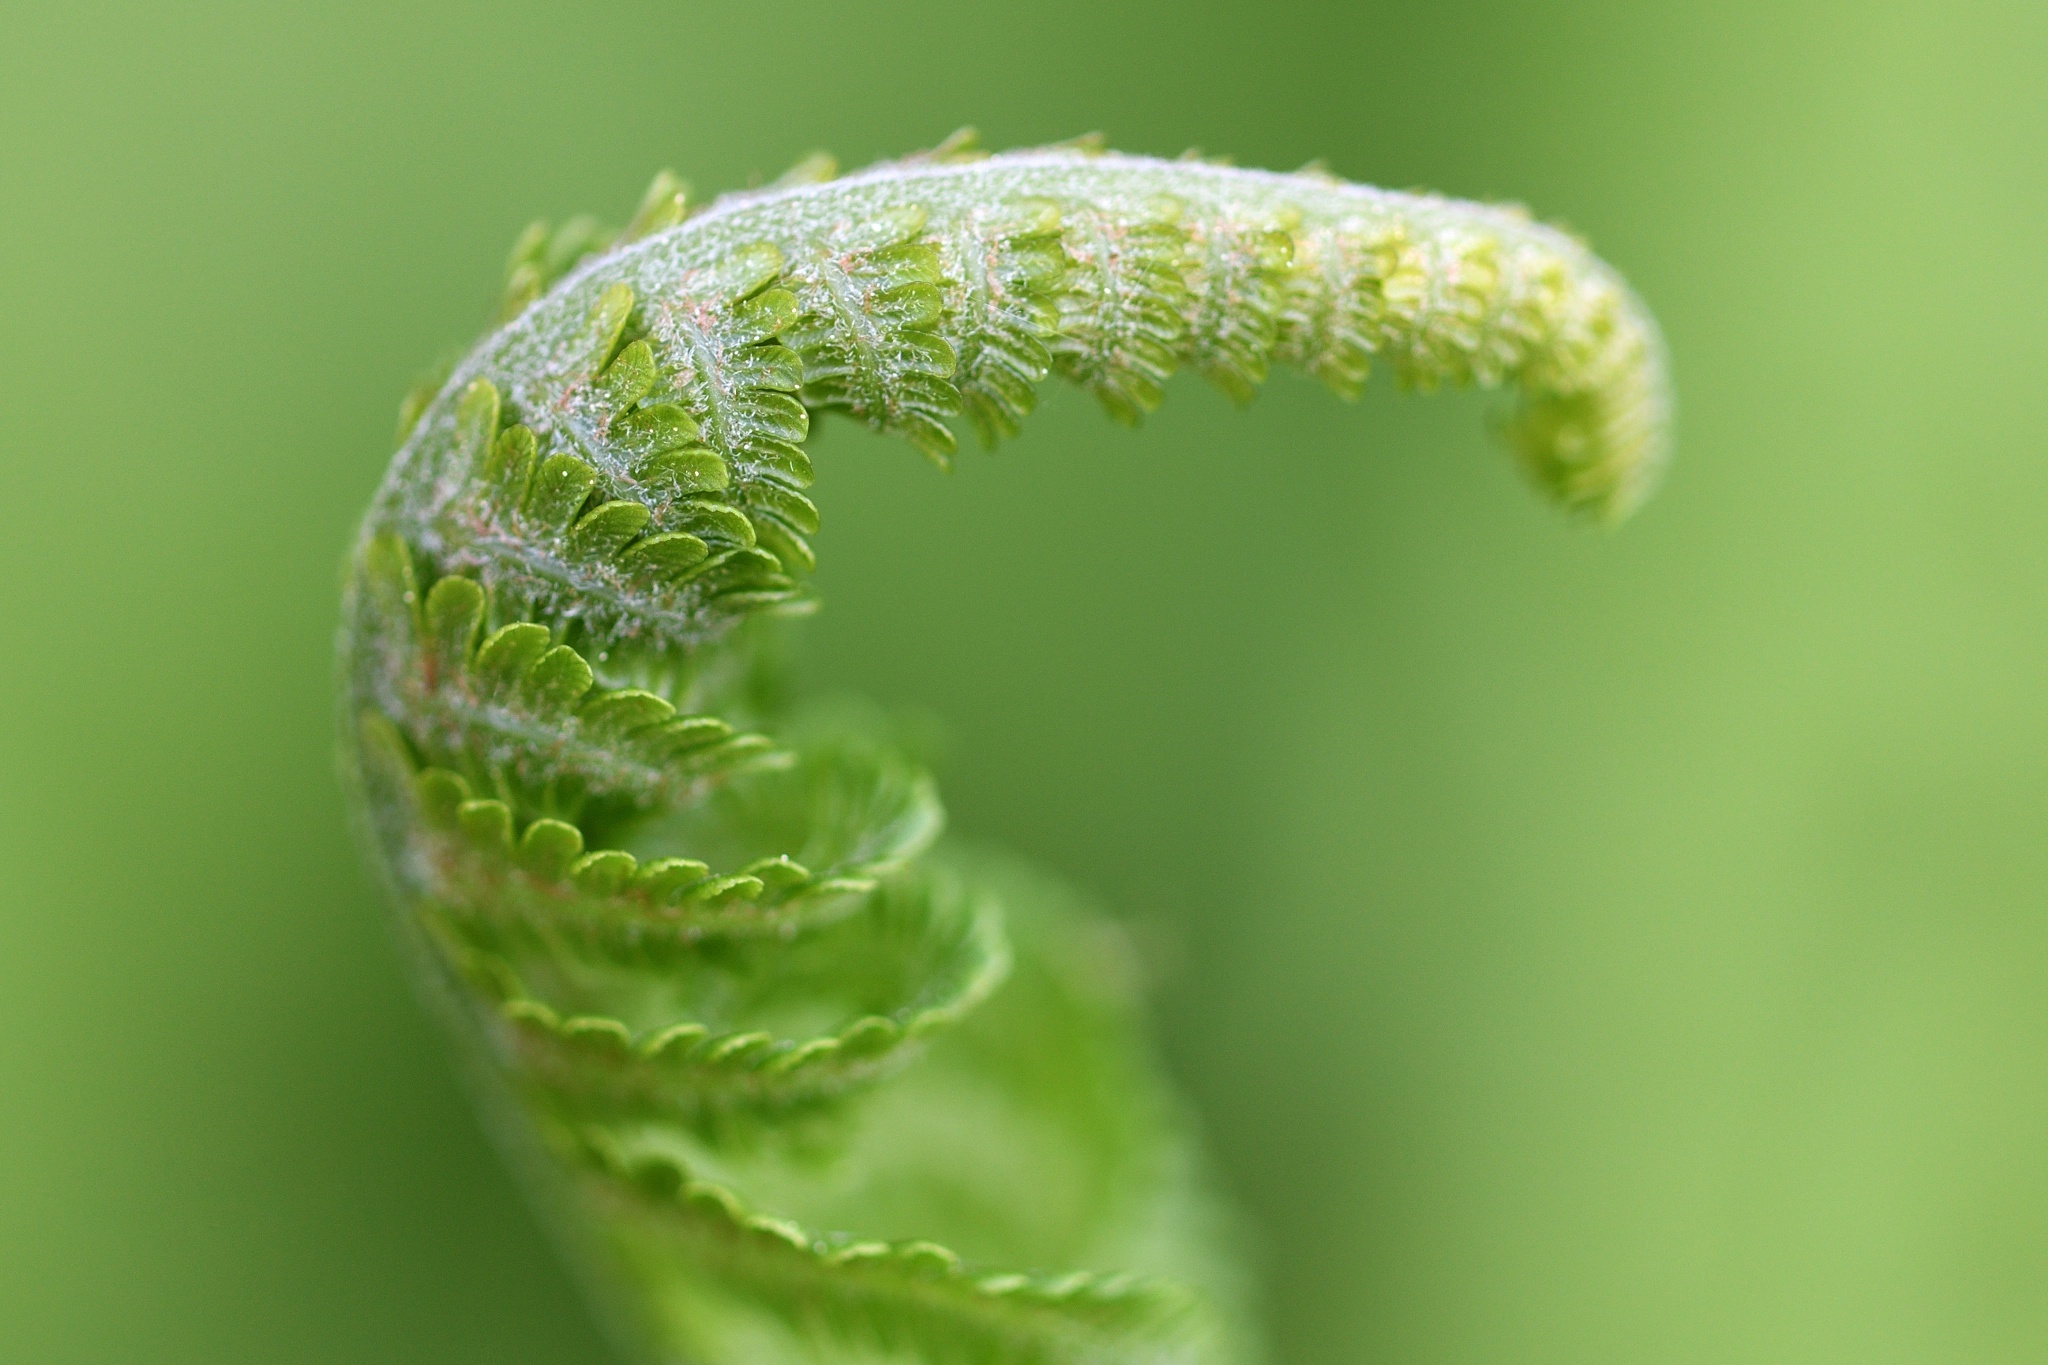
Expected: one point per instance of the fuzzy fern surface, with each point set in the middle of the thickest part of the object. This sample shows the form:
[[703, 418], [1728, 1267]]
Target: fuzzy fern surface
[[794, 1083]]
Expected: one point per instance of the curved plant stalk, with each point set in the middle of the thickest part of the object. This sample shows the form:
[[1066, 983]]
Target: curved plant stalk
[[796, 1088]]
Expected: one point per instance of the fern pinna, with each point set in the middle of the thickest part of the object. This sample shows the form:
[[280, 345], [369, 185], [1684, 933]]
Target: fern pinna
[[794, 1084]]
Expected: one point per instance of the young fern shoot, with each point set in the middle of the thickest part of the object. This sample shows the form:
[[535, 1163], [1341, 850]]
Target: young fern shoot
[[796, 1084]]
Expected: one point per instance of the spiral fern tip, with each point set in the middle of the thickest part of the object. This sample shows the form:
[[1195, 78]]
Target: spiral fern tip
[[704, 943]]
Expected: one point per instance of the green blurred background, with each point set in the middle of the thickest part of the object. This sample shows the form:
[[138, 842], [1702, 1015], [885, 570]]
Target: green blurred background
[[1580, 947]]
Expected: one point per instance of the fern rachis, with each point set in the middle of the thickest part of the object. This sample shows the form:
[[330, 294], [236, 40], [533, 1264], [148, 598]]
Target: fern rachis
[[806, 1087]]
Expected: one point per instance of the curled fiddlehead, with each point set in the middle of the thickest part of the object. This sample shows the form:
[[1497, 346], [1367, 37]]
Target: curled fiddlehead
[[796, 1086]]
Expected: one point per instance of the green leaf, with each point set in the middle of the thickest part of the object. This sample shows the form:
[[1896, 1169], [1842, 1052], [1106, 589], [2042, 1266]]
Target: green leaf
[[607, 321], [522, 287], [560, 490], [570, 243], [476, 420], [388, 760], [712, 522], [665, 204], [664, 556], [388, 575], [509, 467], [767, 366], [695, 469], [763, 316], [441, 796], [747, 271], [787, 505], [778, 873], [455, 609], [791, 550], [780, 460], [780, 417], [661, 880], [814, 169], [621, 713], [650, 430], [673, 738], [727, 890], [731, 753], [510, 653], [559, 680], [605, 1036], [741, 569], [549, 847], [630, 377], [606, 529], [604, 873], [486, 824]]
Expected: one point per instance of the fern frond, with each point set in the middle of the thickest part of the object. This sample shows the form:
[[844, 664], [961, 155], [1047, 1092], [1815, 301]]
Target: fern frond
[[782, 1058], [913, 1299], [869, 332]]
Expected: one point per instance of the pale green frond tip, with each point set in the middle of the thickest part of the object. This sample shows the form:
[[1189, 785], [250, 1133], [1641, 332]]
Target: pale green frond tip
[[703, 941]]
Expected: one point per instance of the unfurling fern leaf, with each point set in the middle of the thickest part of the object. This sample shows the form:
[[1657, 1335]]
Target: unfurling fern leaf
[[797, 1085]]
